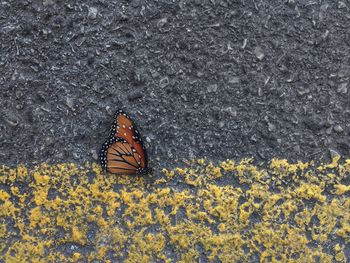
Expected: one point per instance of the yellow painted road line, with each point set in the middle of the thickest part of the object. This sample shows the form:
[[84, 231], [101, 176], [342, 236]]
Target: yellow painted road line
[[230, 211]]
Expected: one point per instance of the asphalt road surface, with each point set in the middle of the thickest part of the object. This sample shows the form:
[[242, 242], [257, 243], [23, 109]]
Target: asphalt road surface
[[214, 79], [210, 79]]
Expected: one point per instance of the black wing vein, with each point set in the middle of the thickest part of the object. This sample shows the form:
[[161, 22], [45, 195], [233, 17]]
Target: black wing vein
[[124, 160]]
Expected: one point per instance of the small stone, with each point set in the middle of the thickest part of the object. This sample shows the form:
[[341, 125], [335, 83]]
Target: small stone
[[109, 110], [47, 2], [154, 73], [334, 153], [344, 72], [323, 10], [46, 32], [271, 127], [261, 155], [338, 128], [191, 154], [70, 102], [244, 44], [342, 5], [135, 95], [59, 156], [164, 82], [253, 138], [296, 149], [212, 88], [233, 80], [325, 34], [14, 75], [148, 139], [302, 91], [313, 124], [231, 111], [92, 12], [76, 155], [49, 141], [258, 52], [135, 3], [94, 154], [162, 22], [170, 154], [11, 122], [200, 74], [343, 88]]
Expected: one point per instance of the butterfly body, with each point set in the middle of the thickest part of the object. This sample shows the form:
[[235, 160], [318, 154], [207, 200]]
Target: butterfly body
[[124, 152]]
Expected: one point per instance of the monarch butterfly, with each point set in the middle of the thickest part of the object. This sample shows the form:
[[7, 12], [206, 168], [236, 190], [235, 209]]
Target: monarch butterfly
[[123, 152]]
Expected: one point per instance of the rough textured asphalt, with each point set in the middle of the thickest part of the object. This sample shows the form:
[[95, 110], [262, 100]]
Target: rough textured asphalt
[[218, 79]]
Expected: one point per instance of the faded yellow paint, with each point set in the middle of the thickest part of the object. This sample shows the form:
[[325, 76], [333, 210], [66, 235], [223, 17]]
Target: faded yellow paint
[[230, 211]]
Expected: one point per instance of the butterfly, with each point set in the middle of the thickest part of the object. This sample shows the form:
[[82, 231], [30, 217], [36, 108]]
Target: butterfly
[[123, 152]]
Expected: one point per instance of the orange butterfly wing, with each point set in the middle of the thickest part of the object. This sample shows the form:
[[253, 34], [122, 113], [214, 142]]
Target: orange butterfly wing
[[123, 152], [124, 128], [122, 158]]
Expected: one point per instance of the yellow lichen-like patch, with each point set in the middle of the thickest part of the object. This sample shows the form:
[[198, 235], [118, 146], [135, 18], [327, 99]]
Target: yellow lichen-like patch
[[228, 212]]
